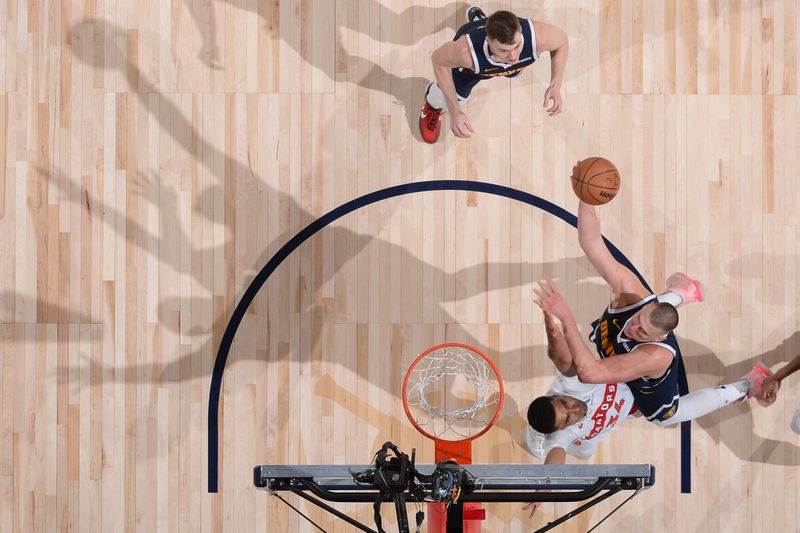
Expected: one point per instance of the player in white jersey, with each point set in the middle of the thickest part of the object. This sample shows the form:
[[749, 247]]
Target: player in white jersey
[[578, 431], [573, 417]]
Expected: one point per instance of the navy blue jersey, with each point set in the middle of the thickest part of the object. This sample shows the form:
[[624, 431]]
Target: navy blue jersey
[[485, 68], [655, 398]]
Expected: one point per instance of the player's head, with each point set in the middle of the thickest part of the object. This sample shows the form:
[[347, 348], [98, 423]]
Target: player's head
[[504, 35], [547, 414], [652, 322]]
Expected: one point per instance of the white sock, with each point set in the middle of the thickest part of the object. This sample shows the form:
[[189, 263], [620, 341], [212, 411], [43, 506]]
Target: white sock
[[436, 99], [703, 401], [670, 298]]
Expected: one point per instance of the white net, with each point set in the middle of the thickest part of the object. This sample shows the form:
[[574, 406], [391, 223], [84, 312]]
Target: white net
[[452, 393]]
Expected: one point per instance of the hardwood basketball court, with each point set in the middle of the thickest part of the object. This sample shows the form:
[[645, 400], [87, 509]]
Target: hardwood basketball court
[[155, 155]]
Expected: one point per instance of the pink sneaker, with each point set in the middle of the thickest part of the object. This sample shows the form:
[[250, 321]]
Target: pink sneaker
[[687, 288], [756, 378]]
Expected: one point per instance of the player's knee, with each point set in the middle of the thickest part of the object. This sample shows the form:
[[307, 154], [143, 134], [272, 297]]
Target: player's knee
[[668, 417], [663, 423]]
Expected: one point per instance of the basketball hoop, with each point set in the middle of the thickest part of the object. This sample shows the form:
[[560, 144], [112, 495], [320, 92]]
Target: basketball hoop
[[453, 394]]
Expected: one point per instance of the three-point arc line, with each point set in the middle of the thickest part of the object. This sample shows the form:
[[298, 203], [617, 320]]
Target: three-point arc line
[[365, 200]]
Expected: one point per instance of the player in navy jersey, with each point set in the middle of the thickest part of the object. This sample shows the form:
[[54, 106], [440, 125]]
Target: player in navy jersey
[[500, 45], [634, 338]]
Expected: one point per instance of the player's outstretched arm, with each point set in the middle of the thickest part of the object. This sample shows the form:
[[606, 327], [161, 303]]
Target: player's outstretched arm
[[645, 361], [453, 54], [771, 386], [590, 238], [551, 39]]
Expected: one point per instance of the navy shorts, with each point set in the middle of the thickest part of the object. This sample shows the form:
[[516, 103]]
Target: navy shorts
[[657, 400]]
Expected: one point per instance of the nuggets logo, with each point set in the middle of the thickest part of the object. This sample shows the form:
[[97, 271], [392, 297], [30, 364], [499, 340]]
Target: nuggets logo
[[606, 346], [670, 413]]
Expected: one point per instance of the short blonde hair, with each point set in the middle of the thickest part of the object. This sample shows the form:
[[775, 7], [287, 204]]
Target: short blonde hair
[[664, 317]]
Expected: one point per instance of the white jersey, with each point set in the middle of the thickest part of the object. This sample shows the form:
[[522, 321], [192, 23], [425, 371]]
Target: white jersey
[[607, 404]]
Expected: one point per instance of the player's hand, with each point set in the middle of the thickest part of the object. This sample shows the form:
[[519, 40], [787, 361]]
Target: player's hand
[[550, 300], [553, 94], [769, 391], [460, 125], [532, 507]]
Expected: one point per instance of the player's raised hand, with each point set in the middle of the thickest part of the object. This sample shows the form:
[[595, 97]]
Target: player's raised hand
[[460, 125], [550, 300]]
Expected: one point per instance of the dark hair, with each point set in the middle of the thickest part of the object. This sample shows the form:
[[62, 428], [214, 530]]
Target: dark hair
[[502, 26], [542, 415], [664, 317]]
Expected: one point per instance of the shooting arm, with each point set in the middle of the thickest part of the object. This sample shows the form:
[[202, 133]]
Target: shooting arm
[[617, 276]]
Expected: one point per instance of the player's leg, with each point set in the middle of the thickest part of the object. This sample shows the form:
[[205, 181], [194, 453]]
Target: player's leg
[[430, 117], [703, 401], [434, 97], [681, 290]]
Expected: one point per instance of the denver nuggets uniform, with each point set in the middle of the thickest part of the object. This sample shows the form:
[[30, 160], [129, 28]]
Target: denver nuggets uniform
[[655, 398], [465, 79], [607, 404]]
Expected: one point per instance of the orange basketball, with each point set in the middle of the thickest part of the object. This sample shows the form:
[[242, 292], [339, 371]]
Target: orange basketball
[[595, 180]]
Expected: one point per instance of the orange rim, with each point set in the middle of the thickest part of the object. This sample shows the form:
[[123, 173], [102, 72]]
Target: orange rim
[[496, 373]]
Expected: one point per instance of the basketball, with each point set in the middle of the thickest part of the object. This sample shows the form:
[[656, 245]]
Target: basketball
[[595, 180]]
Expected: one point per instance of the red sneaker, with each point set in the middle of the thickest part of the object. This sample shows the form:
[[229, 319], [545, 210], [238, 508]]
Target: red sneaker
[[430, 123]]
